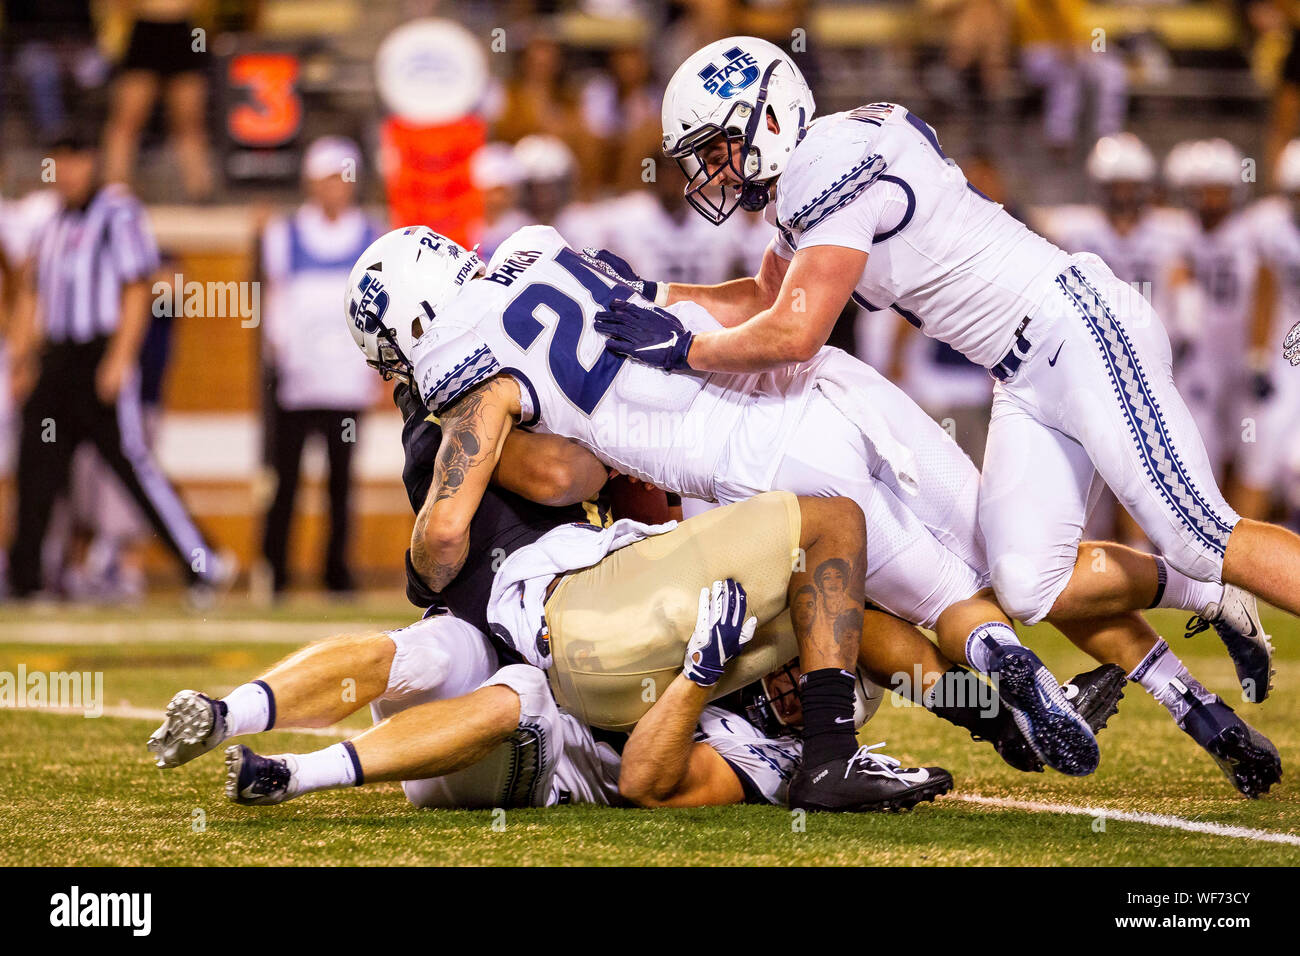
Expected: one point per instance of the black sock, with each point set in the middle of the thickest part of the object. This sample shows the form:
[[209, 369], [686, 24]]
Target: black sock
[[956, 698], [828, 731]]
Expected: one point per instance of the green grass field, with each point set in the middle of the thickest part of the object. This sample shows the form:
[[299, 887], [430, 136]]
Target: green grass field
[[84, 792]]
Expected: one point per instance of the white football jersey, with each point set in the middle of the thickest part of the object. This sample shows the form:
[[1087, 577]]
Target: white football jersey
[[951, 261], [532, 317], [764, 764], [1224, 262], [1278, 239]]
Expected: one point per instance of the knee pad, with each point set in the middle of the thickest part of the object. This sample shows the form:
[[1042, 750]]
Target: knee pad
[[1027, 590]]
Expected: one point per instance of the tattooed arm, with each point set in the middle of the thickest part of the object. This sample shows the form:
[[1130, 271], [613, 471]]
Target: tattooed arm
[[474, 431]]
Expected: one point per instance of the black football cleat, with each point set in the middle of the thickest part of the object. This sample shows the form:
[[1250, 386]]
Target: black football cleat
[[866, 782], [1236, 620], [1247, 758], [1096, 694], [1057, 733], [256, 781]]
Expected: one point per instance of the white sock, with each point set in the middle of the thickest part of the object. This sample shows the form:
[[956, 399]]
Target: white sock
[[335, 766], [978, 653], [1185, 593], [250, 709], [1166, 679]]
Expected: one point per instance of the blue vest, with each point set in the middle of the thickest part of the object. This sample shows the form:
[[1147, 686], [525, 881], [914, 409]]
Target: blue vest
[[302, 259]]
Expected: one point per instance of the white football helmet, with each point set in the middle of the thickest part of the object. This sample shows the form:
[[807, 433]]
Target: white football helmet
[[1122, 158], [398, 289], [1178, 164], [543, 158], [1213, 162], [732, 88], [1288, 168]]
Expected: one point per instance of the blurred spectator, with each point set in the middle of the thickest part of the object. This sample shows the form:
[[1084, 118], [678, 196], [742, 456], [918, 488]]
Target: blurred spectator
[[1281, 18], [53, 42], [165, 55], [1057, 53], [497, 175], [620, 111], [80, 321], [538, 97], [549, 173], [979, 42], [320, 387]]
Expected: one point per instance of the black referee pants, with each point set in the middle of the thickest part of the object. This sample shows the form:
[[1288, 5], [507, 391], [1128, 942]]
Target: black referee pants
[[289, 431], [61, 413]]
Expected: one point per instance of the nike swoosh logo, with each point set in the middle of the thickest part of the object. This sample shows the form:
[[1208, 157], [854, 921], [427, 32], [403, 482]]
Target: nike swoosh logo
[[1052, 361], [1253, 630], [663, 344], [919, 775], [843, 720]]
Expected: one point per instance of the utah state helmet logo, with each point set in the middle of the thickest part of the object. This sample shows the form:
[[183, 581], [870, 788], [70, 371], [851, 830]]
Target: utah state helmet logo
[[374, 303], [739, 71]]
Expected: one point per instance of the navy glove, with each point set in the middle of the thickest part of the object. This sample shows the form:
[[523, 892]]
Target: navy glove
[[652, 336], [617, 268], [721, 630]]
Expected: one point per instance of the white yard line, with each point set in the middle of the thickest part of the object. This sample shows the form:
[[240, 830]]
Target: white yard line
[[179, 631], [1125, 816]]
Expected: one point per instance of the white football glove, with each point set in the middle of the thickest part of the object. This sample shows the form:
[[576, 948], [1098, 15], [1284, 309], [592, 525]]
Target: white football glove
[[721, 630]]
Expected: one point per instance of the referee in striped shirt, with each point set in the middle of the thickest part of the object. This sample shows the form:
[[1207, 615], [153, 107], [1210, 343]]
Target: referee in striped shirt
[[83, 309]]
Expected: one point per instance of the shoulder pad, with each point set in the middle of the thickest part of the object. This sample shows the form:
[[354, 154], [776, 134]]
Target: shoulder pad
[[447, 362], [832, 166]]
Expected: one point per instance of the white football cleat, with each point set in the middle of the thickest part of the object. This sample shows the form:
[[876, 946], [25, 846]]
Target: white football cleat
[[193, 725]]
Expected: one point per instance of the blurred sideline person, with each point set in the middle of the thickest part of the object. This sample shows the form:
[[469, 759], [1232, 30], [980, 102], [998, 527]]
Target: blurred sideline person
[[1055, 53], [1221, 259], [83, 311], [162, 57], [1269, 467], [320, 388], [658, 235], [497, 176], [549, 178]]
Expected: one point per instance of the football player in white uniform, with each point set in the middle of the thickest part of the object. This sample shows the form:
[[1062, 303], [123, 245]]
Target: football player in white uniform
[[478, 352], [1270, 463], [868, 206], [1221, 259]]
